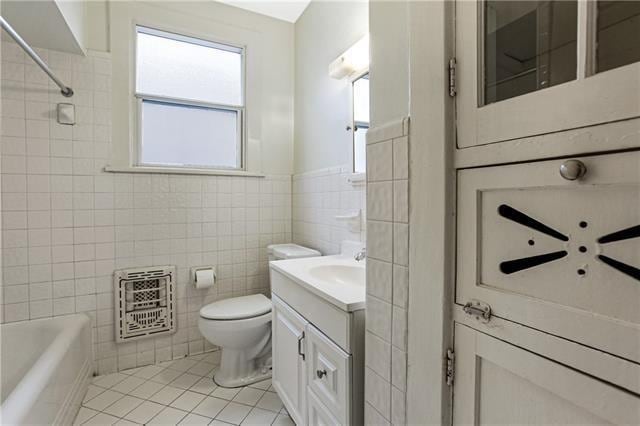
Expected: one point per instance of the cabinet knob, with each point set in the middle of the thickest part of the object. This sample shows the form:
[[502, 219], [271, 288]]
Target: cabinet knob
[[573, 169], [321, 373]]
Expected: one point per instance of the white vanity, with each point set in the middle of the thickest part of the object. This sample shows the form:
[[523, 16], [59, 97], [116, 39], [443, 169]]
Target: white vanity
[[318, 338]]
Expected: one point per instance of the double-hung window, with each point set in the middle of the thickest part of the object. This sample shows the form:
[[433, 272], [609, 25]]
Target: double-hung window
[[190, 99]]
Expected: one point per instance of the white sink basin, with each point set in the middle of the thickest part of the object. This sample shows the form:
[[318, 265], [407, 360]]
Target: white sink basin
[[341, 274]]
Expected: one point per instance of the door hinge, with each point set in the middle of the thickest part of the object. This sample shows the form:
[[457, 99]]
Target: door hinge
[[479, 310], [451, 364], [452, 77]]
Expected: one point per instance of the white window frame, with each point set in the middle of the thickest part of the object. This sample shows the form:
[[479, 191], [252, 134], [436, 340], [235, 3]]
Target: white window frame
[[354, 124], [140, 97]]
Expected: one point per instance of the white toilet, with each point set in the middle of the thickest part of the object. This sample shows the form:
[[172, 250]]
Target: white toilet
[[241, 327]]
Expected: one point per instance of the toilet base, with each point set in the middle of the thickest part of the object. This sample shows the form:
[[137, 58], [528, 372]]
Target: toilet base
[[236, 371], [245, 381]]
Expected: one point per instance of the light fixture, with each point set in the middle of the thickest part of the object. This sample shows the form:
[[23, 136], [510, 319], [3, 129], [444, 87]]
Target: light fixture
[[354, 60]]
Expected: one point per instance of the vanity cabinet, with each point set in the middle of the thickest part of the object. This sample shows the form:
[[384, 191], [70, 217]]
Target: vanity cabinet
[[319, 382]]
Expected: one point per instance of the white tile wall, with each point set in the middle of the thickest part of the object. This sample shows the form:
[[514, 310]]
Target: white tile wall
[[67, 225], [387, 279], [320, 196]]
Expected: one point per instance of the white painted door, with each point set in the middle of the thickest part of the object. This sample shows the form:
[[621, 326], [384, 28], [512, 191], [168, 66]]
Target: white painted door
[[556, 255], [498, 383], [289, 359], [537, 67]]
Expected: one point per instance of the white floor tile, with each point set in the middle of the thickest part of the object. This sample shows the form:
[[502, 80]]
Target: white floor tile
[[103, 400], [225, 393], [270, 401], [195, 420], [283, 420], [212, 357], [101, 419], [234, 413], [259, 417], [123, 422], [166, 376], [149, 371], [183, 364], [264, 385], [123, 406], [205, 385], [219, 423], [166, 395], [109, 380], [202, 368], [92, 392], [144, 412], [147, 389], [168, 416], [187, 401], [128, 384], [84, 414], [248, 396], [185, 381], [210, 407]]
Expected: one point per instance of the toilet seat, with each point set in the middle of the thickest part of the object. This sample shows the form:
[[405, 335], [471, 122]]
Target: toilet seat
[[237, 308]]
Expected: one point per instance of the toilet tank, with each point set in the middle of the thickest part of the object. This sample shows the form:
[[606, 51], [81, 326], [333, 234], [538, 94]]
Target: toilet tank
[[290, 251]]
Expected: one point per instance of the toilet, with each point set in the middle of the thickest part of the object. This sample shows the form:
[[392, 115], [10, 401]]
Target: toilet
[[241, 327]]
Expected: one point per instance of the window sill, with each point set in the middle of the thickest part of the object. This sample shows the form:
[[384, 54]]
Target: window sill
[[179, 171]]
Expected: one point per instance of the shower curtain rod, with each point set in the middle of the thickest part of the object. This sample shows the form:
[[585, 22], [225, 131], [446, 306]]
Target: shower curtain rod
[[64, 89]]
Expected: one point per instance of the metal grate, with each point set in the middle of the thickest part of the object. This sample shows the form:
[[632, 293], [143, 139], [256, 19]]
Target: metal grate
[[145, 303]]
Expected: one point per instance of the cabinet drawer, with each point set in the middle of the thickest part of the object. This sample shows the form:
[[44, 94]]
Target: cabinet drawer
[[329, 373], [319, 414], [557, 255]]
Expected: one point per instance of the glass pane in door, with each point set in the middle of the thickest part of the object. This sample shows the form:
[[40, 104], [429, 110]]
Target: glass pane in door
[[618, 34], [528, 46]]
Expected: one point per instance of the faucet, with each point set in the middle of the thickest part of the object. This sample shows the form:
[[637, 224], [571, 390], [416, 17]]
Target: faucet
[[360, 255]]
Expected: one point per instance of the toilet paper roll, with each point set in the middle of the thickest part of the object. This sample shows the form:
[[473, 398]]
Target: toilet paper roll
[[204, 278]]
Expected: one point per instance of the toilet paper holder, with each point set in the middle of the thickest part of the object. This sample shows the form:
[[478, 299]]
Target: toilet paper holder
[[195, 269]]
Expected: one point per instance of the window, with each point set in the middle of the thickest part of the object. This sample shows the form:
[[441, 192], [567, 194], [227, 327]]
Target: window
[[190, 101], [360, 123]]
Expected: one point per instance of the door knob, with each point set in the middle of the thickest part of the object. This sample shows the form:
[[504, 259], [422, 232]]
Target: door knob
[[321, 373], [573, 169]]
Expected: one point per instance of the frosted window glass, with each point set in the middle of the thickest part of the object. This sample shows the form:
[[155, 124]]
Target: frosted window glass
[[360, 150], [179, 135], [183, 68], [361, 99]]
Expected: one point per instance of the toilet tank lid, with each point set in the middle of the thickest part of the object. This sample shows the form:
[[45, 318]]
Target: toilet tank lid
[[291, 251], [237, 308]]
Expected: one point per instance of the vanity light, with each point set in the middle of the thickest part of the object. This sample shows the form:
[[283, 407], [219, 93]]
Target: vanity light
[[354, 60]]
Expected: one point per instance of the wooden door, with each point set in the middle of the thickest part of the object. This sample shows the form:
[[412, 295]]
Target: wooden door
[[289, 359], [499, 383], [537, 67], [556, 255]]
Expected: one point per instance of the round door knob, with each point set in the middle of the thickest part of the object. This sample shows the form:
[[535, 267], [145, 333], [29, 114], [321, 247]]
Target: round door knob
[[321, 373], [573, 169]]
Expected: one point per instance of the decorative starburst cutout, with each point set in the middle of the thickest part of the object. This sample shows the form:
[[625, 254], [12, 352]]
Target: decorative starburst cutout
[[516, 265]]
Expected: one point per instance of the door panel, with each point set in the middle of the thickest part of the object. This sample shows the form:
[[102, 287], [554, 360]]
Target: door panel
[[319, 414], [560, 256], [289, 367], [329, 373], [498, 383], [539, 91]]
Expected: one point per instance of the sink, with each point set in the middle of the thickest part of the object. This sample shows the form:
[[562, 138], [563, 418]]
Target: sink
[[341, 274]]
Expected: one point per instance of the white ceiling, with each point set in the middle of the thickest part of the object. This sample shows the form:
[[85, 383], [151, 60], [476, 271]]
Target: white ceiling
[[288, 11]]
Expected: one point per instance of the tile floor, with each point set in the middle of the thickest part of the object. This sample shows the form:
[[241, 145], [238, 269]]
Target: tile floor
[[178, 392]]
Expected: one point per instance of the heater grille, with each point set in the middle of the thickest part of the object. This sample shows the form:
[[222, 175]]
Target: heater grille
[[145, 302]]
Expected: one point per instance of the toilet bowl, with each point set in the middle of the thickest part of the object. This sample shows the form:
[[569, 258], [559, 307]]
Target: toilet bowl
[[241, 327]]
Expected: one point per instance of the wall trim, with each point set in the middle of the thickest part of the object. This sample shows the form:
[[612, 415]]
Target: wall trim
[[389, 130], [322, 172]]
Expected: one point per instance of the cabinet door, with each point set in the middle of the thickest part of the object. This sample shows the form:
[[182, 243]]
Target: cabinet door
[[329, 373], [289, 373], [319, 414], [498, 383], [527, 68]]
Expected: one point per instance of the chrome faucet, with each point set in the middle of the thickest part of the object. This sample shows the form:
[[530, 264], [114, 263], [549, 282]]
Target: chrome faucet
[[360, 255]]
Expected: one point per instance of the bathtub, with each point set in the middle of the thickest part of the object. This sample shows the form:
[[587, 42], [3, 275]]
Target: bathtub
[[46, 368]]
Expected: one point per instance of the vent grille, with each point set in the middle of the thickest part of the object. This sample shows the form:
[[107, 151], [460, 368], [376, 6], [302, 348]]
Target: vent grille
[[145, 302]]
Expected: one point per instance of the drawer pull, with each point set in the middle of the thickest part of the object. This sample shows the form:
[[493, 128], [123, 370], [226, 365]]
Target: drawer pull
[[321, 373], [573, 169]]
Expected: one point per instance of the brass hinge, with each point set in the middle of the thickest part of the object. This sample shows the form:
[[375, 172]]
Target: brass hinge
[[451, 358], [479, 310], [452, 77]]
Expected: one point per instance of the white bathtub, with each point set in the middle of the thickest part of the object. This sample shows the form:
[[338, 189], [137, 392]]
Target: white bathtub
[[46, 368]]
